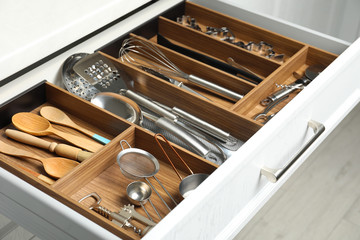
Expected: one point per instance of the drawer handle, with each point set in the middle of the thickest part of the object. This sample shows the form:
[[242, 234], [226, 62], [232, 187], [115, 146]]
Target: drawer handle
[[273, 175]]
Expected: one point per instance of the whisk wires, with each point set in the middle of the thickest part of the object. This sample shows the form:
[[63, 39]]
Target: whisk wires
[[140, 53]]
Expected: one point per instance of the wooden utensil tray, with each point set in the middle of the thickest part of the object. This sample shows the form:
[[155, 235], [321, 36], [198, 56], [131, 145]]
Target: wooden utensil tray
[[299, 56], [101, 173]]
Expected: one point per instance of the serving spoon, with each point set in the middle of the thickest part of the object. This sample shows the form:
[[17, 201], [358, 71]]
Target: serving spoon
[[39, 126], [55, 115], [56, 167]]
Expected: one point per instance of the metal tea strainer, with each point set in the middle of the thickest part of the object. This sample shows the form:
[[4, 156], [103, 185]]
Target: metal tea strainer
[[136, 163]]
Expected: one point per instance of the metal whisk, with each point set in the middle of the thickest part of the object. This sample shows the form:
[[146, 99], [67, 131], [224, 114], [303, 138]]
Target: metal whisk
[[143, 53]]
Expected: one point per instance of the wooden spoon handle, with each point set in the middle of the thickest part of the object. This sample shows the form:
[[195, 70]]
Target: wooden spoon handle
[[13, 151], [38, 175], [81, 142], [27, 138], [60, 149]]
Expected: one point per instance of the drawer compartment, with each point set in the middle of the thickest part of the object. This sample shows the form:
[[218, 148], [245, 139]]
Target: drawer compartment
[[299, 56], [100, 172], [241, 30]]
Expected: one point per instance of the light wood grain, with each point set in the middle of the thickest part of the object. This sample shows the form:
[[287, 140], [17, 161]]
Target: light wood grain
[[39, 126], [242, 30], [220, 50], [56, 167], [55, 115]]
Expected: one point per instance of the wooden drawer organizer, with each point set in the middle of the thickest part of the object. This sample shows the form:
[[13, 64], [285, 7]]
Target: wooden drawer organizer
[[100, 173]]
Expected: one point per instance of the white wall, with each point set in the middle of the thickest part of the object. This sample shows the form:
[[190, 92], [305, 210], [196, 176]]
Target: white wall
[[338, 18]]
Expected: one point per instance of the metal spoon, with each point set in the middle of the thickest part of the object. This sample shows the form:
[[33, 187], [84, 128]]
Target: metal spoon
[[56, 167], [39, 126], [139, 193]]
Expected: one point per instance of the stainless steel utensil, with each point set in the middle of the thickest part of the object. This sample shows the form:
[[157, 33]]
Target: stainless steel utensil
[[139, 193], [136, 163], [100, 72], [88, 74], [158, 61], [171, 80], [121, 218], [189, 183], [310, 74], [119, 105], [75, 83], [71, 77]]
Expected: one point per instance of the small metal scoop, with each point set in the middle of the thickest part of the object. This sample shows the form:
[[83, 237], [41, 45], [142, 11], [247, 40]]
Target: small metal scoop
[[189, 183], [139, 193]]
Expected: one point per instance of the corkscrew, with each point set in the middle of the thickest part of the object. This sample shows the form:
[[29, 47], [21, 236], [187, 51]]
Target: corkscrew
[[121, 218]]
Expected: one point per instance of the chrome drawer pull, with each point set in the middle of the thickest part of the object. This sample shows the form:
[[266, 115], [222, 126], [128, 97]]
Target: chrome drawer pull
[[273, 175]]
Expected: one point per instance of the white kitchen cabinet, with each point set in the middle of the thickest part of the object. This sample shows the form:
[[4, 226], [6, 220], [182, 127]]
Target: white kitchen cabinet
[[232, 195]]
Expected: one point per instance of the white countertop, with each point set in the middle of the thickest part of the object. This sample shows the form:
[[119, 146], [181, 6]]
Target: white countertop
[[32, 30]]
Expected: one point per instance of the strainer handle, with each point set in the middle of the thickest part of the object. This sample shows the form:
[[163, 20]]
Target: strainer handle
[[124, 141], [167, 156]]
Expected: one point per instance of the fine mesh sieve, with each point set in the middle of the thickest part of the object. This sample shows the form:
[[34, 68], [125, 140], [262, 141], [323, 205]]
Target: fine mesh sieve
[[136, 163]]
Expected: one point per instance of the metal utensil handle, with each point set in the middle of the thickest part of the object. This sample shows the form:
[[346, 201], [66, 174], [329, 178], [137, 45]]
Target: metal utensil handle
[[153, 206], [147, 213], [273, 175], [224, 92], [202, 125], [124, 141], [182, 134], [162, 186], [149, 104], [158, 194]]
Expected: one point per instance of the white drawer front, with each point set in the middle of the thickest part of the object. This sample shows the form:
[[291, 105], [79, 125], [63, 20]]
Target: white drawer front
[[236, 191]]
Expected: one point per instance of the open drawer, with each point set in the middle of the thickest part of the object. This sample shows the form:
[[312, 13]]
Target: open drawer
[[235, 190]]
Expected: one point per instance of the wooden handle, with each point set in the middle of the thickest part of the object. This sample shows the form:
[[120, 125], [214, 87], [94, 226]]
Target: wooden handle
[[83, 155], [81, 142], [60, 149], [27, 138], [71, 152], [13, 151], [38, 175]]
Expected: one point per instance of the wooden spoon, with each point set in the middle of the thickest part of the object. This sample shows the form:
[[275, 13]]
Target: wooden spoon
[[56, 167], [55, 115], [39, 126]]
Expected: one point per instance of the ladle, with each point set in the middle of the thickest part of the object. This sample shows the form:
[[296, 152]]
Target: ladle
[[139, 193], [189, 183], [119, 105], [39, 126], [56, 167], [55, 115]]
